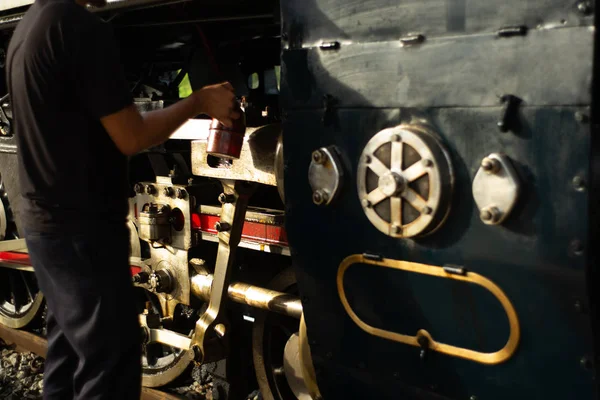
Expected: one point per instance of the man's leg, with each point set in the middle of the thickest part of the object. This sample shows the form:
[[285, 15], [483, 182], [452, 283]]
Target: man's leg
[[61, 362], [86, 281]]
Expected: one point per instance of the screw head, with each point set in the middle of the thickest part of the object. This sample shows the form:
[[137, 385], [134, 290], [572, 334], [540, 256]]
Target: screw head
[[319, 157], [181, 193], [427, 162], [366, 203]]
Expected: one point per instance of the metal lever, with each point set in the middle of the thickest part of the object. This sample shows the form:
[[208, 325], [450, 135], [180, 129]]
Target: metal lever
[[233, 214]]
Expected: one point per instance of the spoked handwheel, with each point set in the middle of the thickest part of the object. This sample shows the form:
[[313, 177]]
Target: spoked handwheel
[[277, 342]]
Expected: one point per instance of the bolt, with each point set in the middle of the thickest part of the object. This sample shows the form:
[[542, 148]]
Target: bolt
[[319, 157], [576, 247], [366, 203], [226, 198], [319, 197], [368, 159], [222, 226], [427, 162], [138, 188], [489, 215], [578, 183], [580, 117], [427, 210], [396, 138], [168, 191], [150, 189], [490, 165], [396, 229], [181, 193], [585, 7]]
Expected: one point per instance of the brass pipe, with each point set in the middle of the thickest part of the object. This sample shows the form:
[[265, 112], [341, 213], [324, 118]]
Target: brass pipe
[[253, 296]]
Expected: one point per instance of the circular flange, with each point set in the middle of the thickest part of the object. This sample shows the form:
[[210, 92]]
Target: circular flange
[[405, 181]]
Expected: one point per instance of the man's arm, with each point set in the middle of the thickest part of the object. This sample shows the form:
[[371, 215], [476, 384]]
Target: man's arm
[[133, 132]]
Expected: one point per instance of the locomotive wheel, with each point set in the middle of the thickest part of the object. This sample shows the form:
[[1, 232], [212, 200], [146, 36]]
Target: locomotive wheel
[[162, 364], [275, 347], [20, 298]]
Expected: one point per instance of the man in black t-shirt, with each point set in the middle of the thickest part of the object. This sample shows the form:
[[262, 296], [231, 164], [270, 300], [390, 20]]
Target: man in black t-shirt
[[75, 125]]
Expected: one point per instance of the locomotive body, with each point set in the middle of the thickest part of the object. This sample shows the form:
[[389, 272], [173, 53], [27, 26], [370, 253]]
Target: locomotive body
[[411, 214]]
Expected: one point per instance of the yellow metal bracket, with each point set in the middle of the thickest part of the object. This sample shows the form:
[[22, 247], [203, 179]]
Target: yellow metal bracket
[[496, 357]]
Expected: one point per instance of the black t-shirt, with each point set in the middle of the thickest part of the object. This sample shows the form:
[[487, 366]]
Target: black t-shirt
[[64, 74]]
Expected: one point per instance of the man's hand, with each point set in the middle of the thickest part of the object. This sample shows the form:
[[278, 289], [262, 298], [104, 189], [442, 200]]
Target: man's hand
[[218, 101], [133, 132]]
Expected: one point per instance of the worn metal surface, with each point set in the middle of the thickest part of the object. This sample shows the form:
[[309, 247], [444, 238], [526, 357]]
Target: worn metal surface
[[251, 295], [537, 257], [311, 22], [213, 320], [456, 71], [325, 175], [496, 188], [256, 162]]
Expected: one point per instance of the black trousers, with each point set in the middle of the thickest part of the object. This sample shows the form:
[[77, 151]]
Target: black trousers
[[94, 349]]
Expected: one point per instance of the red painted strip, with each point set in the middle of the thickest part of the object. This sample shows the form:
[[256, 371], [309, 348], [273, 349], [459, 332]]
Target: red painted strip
[[15, 258], [135, 269], [253, 231]]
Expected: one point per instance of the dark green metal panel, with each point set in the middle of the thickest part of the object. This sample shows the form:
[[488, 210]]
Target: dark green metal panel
[[530, 258]]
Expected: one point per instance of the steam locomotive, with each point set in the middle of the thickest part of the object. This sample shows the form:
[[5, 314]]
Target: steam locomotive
[[412, 213]]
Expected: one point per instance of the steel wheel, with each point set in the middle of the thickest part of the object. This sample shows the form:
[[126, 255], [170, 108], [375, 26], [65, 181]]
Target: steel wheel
[[20, 298], [162, 364], [271, 333]]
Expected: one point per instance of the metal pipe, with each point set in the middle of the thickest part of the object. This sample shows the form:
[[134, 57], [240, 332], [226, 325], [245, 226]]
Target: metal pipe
[[253, 296]]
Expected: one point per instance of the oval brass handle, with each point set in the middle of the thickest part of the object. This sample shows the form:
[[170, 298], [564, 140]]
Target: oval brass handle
[[496, 357]]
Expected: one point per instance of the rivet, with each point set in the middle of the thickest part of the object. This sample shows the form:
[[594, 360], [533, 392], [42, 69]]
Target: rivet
[[366, 203], [222, 226], [580, 117], [396, 229], [181, 193], [427, 162], [226, 198], [473, 397], [149, 189], [585, 7], [396, 138], [368, 159], [490, 165], [168, 191], [486, 215], [427, 210], [319, 197]]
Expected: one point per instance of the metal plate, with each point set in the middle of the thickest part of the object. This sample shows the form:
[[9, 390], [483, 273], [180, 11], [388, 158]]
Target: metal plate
[[308, 22], [256, 162], [530, 257], [446, 72]]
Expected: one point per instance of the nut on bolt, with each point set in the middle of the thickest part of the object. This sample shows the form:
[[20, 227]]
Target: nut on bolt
[[168, 191], [319, 156], [226, 198], [150, 189], [490, 165], [320, 197], [490, 215], [181, 193], [222, 226]]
